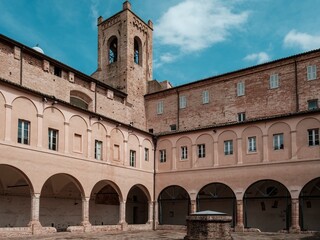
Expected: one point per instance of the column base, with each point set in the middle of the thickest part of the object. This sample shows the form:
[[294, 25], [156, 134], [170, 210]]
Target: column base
[[295, 229], [87, 227], [239, 228], [36, 227], [124, 225]]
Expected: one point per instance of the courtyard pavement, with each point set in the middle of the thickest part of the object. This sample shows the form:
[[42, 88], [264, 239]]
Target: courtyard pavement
[[161, 234]]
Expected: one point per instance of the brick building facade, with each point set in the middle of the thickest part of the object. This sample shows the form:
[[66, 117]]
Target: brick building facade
[[118, 150]]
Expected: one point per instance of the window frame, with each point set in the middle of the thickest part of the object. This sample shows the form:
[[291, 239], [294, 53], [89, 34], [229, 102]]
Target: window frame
[[53, 140], [313, 101], [274, 81], [278, 141], [146, 154], [240, 89], [24, 127], [132, 158], [182, 102], [160, 107], [163, 155], [241, 117], [228, 147], [252, 144], [98, 155], [311, 72], [205, 97], [201, 150], [314, 135], [184, 153]]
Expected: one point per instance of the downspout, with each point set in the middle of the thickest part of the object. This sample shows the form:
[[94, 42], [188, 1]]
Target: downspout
[[296, 85], [154, 138]]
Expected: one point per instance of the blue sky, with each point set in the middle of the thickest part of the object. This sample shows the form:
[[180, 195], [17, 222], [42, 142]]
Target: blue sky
[[193, 39]]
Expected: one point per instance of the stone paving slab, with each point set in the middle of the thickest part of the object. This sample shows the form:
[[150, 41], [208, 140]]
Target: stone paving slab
[[160, 234]]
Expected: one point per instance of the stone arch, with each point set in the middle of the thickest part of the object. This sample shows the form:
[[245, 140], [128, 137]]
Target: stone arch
[[26, 118], [309, 200], [174, 205], [217, 197], [61, 202], [117, 146], [306, 149], [252, 144], [113, 49], [204, 148], [80, 99], [98, 141], [184, 153], [104, 206], [134, 150], [227, 147], [137, 52], [267, 206], [137, 205], [78, 135], [15, 197], [54, 119], [164, 147], [148, 154]]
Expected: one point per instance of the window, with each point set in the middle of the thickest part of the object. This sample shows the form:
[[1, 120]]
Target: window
[[160, 107], [312, 72], [77, 143], [57, 71], [98, 150], [278, 141], [240, 89], [146, 154], [78, 102], [184, 152], [201, 150], [113, 50], [274, 81], [137, 51], [53, 139], [163, 155], [23, 132], [132, 158], [173, 127], [228, 147], [116, 152], [252, 144], [205, 97], [313, 137], [241, 117], [182, 102], [313, 104]]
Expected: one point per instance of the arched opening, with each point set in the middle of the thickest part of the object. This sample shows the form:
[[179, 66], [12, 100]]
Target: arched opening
[[104, 204], [113, 50], [217, 197], [267, 206], [61, 202], [310, 206], [174, 205], [15, 200], [137, 54], [80, 99], [137, 206]]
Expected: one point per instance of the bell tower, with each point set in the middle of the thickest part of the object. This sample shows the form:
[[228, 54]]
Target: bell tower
[[125, 55]]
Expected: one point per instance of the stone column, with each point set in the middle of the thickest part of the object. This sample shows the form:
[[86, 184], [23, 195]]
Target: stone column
[[85, 214], [239, 224], [35, 209], [239, 152], [156, 214], [40, 129], [66, 137], [8, 122], [295, 227], [193, 206], [150, 212], [122, 213]]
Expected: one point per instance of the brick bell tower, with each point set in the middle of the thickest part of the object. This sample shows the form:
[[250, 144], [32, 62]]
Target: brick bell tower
[[125, 57]]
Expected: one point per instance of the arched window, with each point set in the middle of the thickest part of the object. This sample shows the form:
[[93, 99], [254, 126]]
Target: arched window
[[137, 51], [80, 99], [113, 50]]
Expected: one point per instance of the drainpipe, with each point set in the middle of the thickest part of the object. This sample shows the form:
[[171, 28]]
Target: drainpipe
[[296, 85], [154, 139]]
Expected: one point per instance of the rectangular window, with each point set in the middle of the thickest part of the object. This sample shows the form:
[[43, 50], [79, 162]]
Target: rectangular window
[[182, 102], [252, 144], [160, 107], [146, 154], [278, 141], [241, 117], [274, 81], [116, 152], [205, 97], [53, 139], [313, 137], [184, 152], [228, 147], [132, 158], [23, 132], [98, 150], [57, 71], [77, 143], [201, 150], [240, 89], [312, 72], [313, 104], [163, 155]]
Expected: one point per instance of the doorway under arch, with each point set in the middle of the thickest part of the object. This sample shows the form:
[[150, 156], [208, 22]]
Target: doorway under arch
[[174, 205], [217, 197], [267, 206], [310, 206], [15, 197], [61, 202], [104, 204]]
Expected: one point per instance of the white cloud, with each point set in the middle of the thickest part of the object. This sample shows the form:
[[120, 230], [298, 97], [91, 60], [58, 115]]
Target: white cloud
[[194, 25], [260, 57], [301, 40]]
